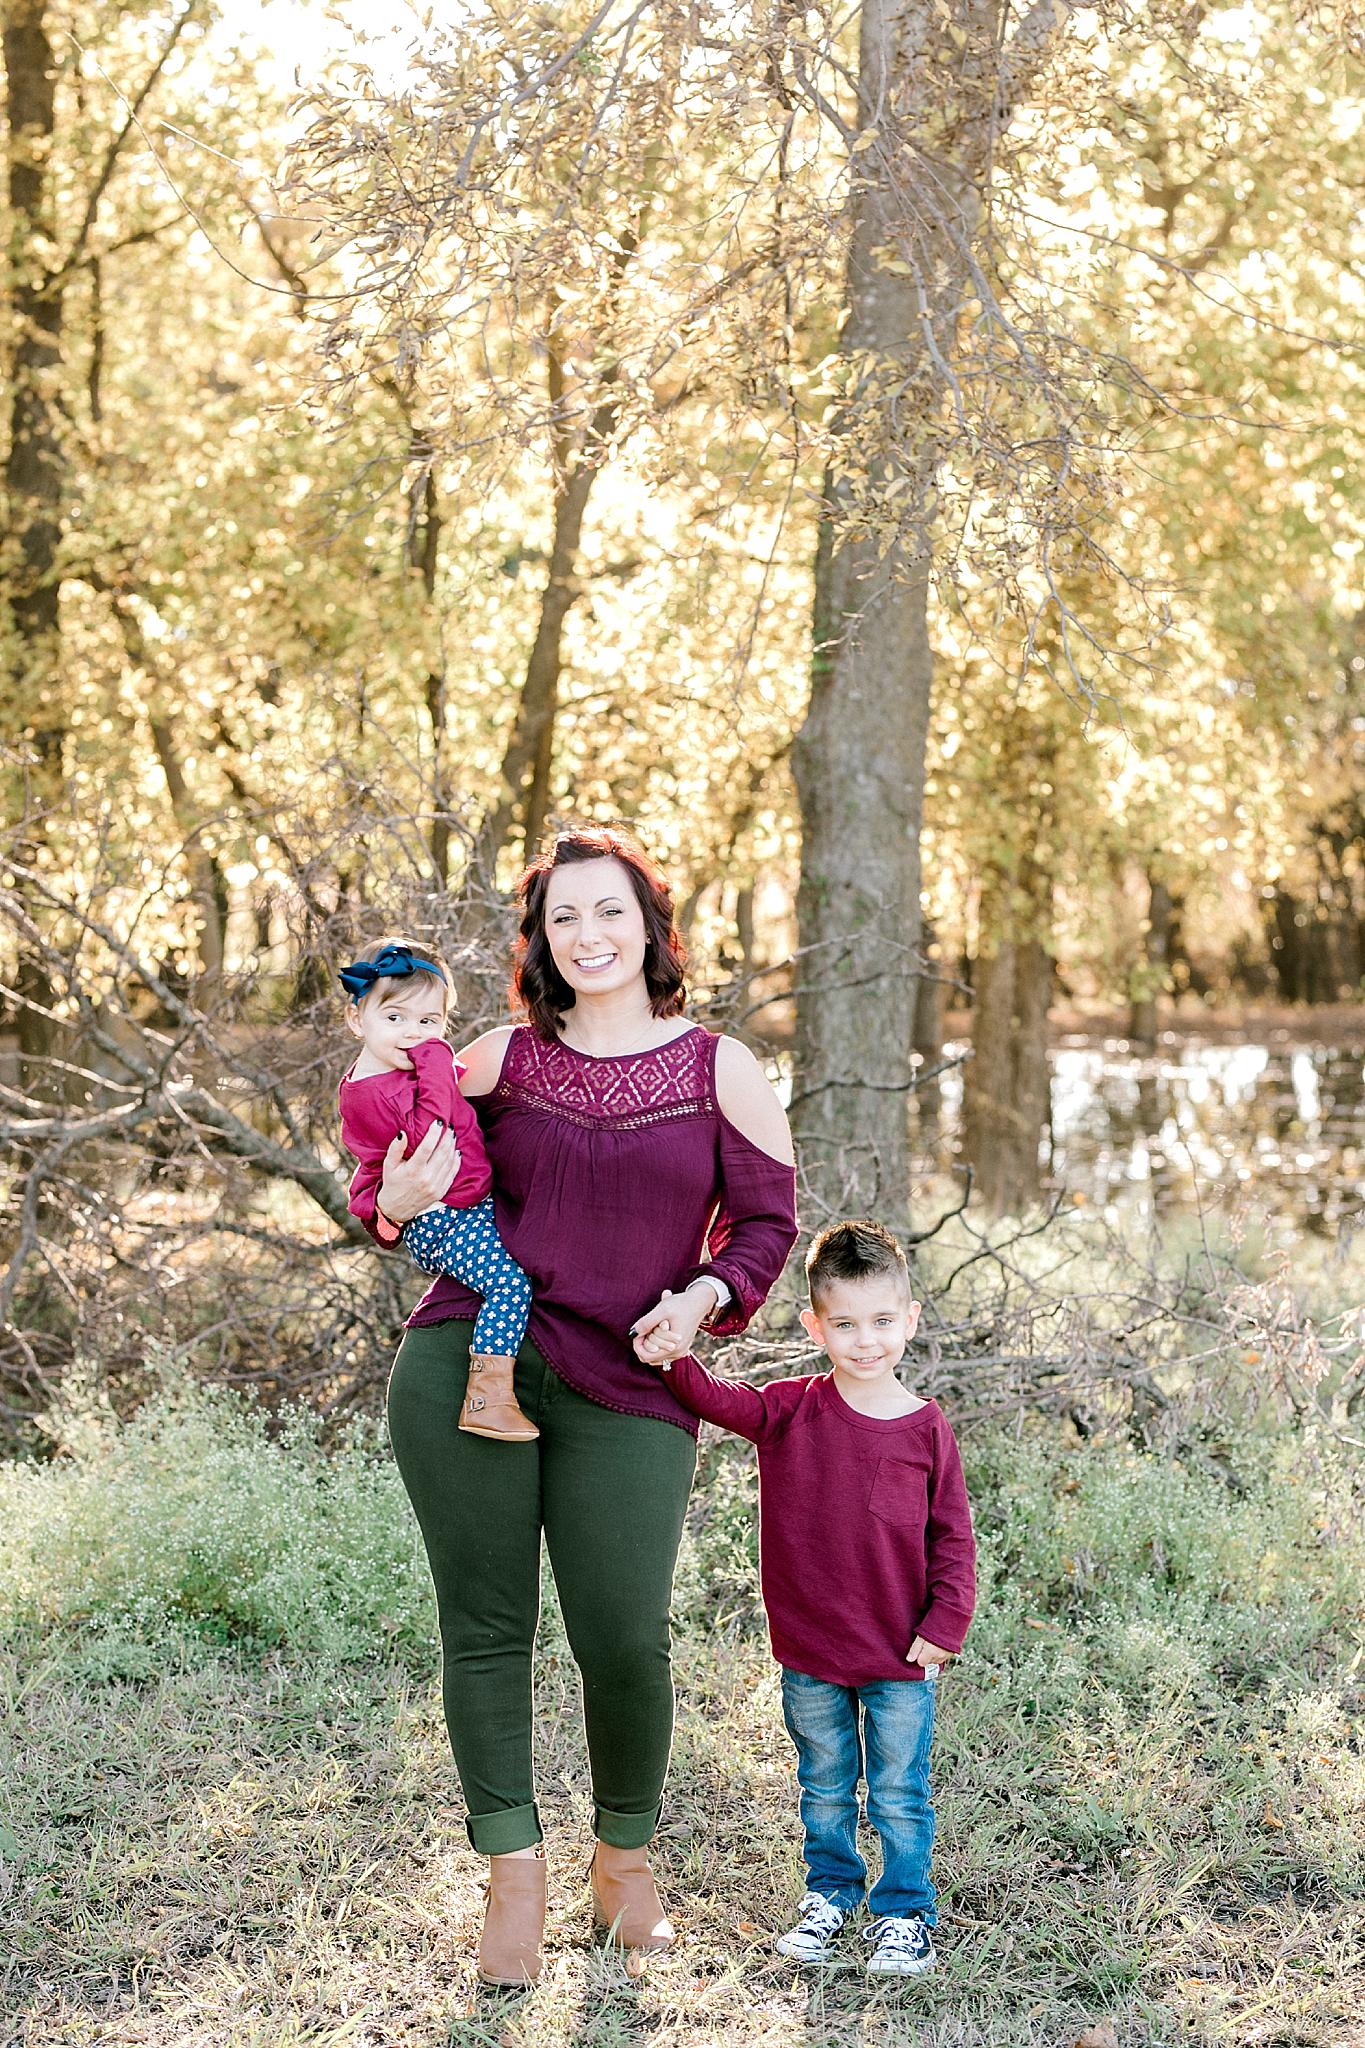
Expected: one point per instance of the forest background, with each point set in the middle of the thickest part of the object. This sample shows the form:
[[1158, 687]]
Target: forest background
[[904, 462]]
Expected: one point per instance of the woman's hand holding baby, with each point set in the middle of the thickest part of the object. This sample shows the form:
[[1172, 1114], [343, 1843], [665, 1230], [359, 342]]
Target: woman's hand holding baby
[[413, 1184]]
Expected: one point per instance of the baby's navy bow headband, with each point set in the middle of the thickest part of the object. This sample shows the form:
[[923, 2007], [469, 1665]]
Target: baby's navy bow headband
[[390, 963]]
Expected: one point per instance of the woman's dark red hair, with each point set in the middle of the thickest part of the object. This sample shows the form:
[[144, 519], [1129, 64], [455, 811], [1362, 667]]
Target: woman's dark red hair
[[538, 987]]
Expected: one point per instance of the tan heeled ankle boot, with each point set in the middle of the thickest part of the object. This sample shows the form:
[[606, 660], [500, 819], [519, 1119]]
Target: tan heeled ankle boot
[[490, 1406], [514, 1920], [625, 1899]]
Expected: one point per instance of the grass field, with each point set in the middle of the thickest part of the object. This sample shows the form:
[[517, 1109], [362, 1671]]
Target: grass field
[[230, 1818]]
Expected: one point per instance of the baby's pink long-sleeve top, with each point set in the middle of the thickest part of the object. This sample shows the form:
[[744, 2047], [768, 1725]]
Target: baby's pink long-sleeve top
[[376, 1109]]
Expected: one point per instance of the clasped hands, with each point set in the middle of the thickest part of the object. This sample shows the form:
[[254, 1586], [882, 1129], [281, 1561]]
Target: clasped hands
[[669, 1330]]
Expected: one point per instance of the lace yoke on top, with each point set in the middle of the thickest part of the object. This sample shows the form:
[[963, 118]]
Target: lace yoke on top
[[625, 1092]]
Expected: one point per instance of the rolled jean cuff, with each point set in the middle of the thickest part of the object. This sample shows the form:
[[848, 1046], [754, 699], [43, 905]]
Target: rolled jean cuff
[[625, 1830], [498, 1834]]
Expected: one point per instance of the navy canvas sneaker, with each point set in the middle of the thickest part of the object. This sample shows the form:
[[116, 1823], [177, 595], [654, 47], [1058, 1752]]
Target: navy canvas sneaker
[[903, 1947], [815, 1933]]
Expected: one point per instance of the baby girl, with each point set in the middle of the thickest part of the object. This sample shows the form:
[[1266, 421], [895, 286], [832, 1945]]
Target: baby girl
[[405, 1078]]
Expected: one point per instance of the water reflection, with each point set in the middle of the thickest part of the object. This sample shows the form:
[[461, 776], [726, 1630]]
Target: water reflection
[[1199, 1122]]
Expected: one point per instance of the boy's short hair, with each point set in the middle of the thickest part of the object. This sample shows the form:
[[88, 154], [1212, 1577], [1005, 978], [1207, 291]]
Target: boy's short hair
[[856, 1250], [397, 984]]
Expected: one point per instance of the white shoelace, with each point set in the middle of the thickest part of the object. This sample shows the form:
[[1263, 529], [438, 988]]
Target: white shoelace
[[819, 1916], [896, 1936]]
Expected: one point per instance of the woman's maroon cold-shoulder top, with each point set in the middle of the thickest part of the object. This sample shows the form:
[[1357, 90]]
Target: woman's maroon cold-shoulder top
[[613, 1179]]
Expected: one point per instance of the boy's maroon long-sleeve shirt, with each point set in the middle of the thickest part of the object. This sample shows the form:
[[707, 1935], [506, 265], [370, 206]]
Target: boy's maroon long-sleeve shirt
[[375, 1109], [865, 1534]]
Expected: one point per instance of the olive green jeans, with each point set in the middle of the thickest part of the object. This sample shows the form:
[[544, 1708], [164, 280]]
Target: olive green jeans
[[610, 1492]]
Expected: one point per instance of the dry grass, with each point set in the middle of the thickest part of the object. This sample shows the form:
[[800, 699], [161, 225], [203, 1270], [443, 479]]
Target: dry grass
[[1150, 1781], [270, 1857]]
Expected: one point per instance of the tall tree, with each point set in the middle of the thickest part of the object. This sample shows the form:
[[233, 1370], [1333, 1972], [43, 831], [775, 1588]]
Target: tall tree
[[582, 424], [34, 470], [937, 88], [44, 255]]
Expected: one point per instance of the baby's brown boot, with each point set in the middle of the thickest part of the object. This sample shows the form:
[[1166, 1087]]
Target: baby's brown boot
[[490, 1405]]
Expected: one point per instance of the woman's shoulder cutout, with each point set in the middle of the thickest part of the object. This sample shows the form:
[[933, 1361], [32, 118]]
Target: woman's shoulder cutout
[[749, 1101], [482, 1060]]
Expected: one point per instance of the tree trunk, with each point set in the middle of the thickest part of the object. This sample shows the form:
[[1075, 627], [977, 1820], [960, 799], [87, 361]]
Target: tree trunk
[[744, 930], [428, 563], [35, 471], [1153, 977], [859, 758], [35, 483], [208, 884], [526, 765], [1032, 1083], [1006, 1095], [1285, 931], [988, 1088], [578, 454], [931, 1005], [935, 88], [860, 779]]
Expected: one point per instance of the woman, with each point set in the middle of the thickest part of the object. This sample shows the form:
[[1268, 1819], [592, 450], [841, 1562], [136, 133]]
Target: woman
[[643, 1176]]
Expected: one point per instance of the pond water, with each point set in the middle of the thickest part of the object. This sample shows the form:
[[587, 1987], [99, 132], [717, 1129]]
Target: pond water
[[1279, 1127]]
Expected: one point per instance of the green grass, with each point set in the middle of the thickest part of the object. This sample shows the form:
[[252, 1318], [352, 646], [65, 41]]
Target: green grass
[[230, 1815]]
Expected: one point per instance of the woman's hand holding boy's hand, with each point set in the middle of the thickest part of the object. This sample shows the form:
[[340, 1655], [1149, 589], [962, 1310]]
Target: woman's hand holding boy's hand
[[670, 1330], [922, 1651], [411, 1185]]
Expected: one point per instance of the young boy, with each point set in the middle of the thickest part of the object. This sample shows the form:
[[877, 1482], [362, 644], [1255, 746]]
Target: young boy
[[405, 1078], [868, 1570]]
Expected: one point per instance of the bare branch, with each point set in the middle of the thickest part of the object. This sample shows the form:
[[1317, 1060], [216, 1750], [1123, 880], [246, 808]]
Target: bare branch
[[77, 252]]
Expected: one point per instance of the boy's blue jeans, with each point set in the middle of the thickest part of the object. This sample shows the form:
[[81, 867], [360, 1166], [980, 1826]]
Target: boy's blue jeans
[[892, 1748]]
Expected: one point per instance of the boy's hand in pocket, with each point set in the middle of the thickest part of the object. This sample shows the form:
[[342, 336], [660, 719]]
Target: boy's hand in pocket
[[922, 1651]]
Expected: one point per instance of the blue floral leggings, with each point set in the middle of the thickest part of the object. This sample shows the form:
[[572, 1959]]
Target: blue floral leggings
[[465, 1244]]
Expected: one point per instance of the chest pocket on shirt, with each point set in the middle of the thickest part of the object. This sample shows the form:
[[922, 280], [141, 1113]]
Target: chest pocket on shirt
[[899, 1492]]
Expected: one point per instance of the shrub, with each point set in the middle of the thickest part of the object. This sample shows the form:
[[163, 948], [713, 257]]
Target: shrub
[[198, 1519], [202, 1520]]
